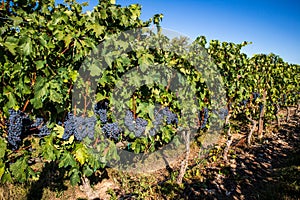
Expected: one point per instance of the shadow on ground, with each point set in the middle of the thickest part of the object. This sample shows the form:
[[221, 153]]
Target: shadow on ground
[[266, 171]]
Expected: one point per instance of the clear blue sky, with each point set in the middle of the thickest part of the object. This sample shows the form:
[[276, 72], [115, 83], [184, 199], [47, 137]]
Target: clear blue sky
[[272, 25]]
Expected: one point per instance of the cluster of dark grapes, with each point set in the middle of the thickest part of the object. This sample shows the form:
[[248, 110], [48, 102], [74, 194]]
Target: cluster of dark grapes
[[42, 128], [171, 117], [137, 126], [203, 115], [79, 126], [112, 130], [18, 125], [158, 121], [100, 110]]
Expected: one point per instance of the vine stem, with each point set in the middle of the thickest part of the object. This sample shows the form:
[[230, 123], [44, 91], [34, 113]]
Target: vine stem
[[261, 116], [254, 123], [25, 106], [229, 140], [288, 114], [86, 187], [277, 115], [228, 144], [184, 163]]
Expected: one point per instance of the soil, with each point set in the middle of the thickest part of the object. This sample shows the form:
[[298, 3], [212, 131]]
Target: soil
[[267, 170]]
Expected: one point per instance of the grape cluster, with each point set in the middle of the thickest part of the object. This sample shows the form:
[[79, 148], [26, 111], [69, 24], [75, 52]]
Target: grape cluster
[[159, 118], [112, 130], [129, 121], [79, 126], [17, 126], [44, 131], [138, 125], [41, 127], [100, 110], [205, 115], [171, 117]]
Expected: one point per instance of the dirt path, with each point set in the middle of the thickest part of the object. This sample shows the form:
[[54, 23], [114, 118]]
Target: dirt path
[[270, 170]]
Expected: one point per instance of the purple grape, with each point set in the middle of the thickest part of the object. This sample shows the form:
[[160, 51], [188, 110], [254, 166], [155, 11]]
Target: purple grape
[[112, 130], [18, 125], [100, 109]]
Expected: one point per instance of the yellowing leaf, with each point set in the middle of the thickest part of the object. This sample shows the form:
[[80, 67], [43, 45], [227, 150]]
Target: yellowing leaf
[[59, 130], [69, 141], [81, 153], [2, 169]]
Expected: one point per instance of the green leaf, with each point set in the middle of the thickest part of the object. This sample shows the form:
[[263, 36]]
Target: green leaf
[[2, 169], [37, 103], [2, 148], [112, 153], [49, 152], [6, 177], [68, 39], [55, 96], [12, 102], [66, 160], [95, 70], [27, 47], [75, 178], [19, 169], [87, 171], [40, 64]]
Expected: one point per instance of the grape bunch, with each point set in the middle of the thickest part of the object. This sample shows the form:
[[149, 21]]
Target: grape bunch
[[112, 130], [44, 131], [205, 115], [159, 117], [137, 126], [100, 109], [41, 127], [140, 126], [129, 121], [85, 127], [171, 117], [18, 125], [79, 126]]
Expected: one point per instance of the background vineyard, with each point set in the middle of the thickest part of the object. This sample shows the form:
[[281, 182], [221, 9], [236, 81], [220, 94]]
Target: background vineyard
[[44, 50]]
